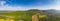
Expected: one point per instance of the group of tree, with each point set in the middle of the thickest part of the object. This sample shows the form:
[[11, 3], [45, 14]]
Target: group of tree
[[26, 15]]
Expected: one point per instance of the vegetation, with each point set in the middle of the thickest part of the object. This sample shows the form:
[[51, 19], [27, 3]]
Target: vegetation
[[27, 15], [17, 15]]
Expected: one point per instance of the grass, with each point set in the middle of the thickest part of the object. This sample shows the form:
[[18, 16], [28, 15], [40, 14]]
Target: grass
[[17, 15]]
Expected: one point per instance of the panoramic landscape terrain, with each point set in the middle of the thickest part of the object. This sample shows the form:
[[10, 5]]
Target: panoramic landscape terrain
[[28, 15], [29, 10]]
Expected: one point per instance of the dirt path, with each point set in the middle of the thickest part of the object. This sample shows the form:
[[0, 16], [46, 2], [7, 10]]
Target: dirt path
[[34, 18]]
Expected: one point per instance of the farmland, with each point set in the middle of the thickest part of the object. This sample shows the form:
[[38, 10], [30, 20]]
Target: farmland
[[16, 15]]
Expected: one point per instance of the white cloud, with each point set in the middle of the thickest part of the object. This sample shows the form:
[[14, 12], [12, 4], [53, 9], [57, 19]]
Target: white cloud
[[10, 8], [7, 7], [55, 6]]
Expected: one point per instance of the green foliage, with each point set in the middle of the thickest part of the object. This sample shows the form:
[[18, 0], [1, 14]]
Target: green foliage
[[18, 15]]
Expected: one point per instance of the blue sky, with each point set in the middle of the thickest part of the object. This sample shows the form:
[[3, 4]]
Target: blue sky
[[28, 4]]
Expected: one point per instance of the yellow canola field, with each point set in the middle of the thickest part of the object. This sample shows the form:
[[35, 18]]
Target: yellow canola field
[[42, 16], [2, 20], [6, 20], [10, 20]]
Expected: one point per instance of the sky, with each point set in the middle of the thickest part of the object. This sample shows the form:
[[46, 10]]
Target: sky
[[29, 4]]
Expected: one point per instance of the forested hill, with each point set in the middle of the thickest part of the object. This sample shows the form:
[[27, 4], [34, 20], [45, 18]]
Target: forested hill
[[31, 11]]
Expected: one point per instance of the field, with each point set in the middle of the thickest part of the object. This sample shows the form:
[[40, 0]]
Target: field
[[17, 15], [56, 18]]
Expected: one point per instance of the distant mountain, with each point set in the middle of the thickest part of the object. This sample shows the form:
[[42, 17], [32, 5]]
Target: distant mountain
[[51, 11]]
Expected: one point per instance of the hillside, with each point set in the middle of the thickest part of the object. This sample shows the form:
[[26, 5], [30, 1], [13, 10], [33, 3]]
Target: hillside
[[17, 15]]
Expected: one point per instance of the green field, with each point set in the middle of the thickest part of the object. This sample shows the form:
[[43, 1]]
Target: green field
[[56, 18], [17, 15]]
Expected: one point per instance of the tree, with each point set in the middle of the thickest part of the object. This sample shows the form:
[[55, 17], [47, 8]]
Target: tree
[[33, 11]]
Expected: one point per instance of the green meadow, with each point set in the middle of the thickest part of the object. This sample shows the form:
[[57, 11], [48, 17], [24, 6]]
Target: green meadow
[[17, 15], [27, 15]]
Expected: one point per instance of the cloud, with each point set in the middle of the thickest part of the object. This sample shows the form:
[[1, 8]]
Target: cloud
[[55, 5], [8, 7], [4, 6]]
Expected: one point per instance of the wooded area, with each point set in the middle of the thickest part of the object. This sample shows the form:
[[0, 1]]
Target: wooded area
[[31, 15]]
